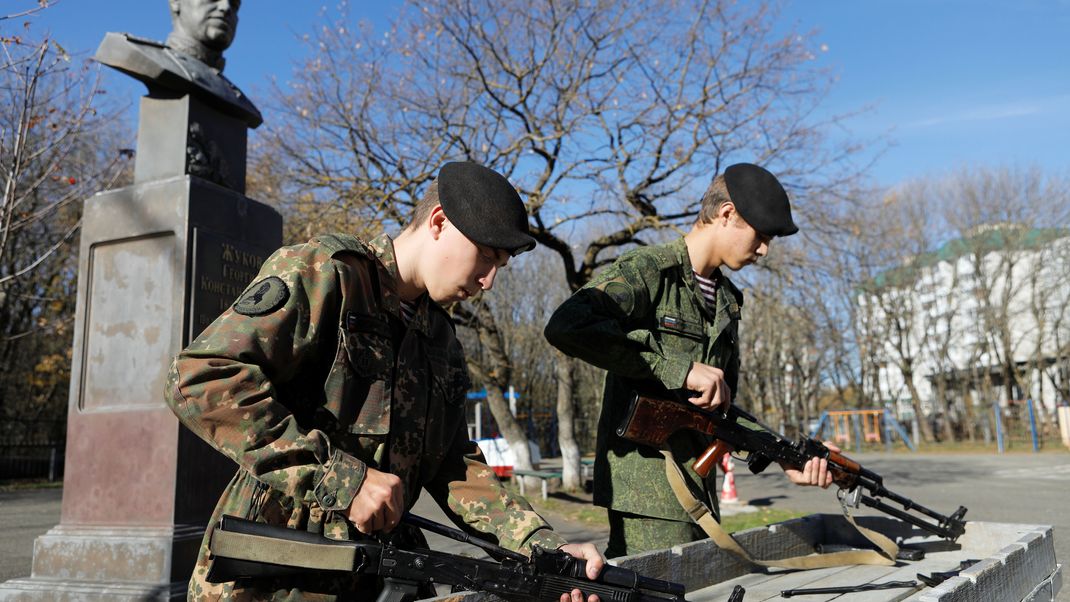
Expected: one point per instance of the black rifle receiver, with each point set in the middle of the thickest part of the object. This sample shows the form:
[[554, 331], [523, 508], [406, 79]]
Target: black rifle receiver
[[543, 577]]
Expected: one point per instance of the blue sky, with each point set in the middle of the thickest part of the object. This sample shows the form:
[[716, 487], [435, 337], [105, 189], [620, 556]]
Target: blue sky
[[948, 83]]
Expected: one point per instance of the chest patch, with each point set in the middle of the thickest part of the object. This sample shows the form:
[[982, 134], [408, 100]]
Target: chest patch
[[672, 323], [263, 297]]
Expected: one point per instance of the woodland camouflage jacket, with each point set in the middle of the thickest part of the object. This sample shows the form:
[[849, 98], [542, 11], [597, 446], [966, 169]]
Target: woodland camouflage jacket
[[311, 377]]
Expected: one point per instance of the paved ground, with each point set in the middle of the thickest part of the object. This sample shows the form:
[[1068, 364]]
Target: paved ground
[[23, 516], [1010, 488], [1016, 488]]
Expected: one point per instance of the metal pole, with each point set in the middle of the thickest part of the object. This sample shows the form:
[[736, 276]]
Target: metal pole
[[512, 400], [479, 420], [858, 433], [52, 465], [887, 430], [1033, 425], [999, 427]]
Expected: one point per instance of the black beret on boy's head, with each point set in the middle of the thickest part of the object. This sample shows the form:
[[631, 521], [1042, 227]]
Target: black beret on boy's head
[[759, 199], [484, 206]]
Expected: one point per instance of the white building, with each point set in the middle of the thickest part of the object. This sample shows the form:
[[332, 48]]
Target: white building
[[983, 319]]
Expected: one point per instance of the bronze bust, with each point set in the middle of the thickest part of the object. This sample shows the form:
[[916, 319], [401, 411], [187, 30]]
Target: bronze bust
[[191, 61]]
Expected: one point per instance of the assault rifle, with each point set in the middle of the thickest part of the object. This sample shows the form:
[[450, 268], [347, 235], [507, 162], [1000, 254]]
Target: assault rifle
[[247, 549], [650, 421]]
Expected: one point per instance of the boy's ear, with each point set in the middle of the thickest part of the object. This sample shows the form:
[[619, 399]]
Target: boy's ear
[[436, 221], [726, 210]]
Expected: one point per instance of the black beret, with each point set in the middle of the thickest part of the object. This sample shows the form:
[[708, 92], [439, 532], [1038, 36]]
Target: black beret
[[760, 199], [484, 206]]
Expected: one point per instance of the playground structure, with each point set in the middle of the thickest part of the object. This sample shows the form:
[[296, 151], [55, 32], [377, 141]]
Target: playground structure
[[860, 426]]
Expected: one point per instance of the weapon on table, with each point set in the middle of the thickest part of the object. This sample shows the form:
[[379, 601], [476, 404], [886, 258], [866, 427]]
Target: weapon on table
[[650, 421], [246, 549]]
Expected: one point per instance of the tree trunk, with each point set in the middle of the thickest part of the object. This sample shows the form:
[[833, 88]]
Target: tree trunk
[[571, 474], [915, 402], [496, 374]]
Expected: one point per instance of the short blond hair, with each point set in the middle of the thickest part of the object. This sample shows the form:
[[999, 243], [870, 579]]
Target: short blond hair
[[715, 196], [423, 208]]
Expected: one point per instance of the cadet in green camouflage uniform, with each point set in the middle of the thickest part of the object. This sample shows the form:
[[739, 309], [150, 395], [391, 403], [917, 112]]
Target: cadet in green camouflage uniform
[[337, 384], [649, 324]]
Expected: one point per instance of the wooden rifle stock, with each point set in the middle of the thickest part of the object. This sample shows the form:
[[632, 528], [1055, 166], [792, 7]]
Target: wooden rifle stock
[[652, 421]]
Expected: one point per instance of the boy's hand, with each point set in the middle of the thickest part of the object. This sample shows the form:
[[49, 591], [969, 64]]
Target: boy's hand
[[709, 383], [815, 472], [595, 562], [379, 503]]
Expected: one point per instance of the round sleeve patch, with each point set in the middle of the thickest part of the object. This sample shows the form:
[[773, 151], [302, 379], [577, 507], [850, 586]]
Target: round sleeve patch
[[622, 295], [262, 297]]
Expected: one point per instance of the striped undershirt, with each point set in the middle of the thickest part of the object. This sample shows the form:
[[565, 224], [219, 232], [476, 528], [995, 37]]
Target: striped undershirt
[[708, 286]]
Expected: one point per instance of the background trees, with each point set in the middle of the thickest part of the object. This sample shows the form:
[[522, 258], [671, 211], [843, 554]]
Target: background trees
[[610, 117], [58, 145]]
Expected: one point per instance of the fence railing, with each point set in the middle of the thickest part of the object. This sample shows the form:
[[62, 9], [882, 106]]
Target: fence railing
[[31, 462], [32, 448]]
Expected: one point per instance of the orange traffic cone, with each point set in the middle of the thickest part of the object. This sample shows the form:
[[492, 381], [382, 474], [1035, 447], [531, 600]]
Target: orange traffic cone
[[728, 488]]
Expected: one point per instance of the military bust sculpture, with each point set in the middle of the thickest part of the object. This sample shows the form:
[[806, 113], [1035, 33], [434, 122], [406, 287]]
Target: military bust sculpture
[[191, 61]]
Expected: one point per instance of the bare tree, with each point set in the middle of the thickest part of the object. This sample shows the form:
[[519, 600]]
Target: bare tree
[[610, 117], [1004, 217], [55, 150]]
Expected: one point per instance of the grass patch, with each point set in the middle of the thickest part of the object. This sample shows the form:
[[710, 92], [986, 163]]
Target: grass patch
[[761, 518], [588, 514], [24, 484]]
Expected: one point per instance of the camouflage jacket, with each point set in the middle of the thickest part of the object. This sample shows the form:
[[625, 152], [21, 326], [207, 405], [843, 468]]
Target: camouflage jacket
[[644, 321], [312, 376]]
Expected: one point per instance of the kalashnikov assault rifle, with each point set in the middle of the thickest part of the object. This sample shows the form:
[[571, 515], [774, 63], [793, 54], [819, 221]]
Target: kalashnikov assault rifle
[[650, 421], [247, 549]]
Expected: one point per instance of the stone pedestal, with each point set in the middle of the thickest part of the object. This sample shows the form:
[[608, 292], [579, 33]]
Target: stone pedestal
[[158, 262]]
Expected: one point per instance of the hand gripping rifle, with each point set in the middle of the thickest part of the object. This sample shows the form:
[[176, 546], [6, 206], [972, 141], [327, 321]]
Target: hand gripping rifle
[[650, 421], [247, 549]]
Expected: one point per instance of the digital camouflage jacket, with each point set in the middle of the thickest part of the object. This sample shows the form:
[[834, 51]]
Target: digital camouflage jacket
[[310, 378], [644, 321]]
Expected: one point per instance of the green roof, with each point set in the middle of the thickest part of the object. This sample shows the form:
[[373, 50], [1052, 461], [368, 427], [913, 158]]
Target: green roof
[[988, 239]]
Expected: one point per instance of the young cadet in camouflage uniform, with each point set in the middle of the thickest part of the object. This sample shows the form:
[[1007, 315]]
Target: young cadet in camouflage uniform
[[646, 322], [337, 384]]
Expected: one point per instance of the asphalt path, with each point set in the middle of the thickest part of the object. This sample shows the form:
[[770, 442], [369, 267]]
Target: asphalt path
[[1010, 488]]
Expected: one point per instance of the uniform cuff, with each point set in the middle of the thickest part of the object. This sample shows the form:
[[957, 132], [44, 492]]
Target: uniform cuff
[[672, 372], [545, 539], [342, 478]]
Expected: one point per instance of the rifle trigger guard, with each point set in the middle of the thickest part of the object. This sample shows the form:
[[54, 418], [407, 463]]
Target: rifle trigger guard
[[849, 498]]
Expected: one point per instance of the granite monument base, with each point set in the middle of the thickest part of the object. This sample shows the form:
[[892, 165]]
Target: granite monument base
[[158, 262]]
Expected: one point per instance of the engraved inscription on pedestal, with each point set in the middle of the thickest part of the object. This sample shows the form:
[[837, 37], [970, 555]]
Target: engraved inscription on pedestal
[[130, 282], [222, 268]]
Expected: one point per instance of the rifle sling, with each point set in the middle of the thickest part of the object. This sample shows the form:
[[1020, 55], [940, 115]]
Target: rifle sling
[[701, 515], [241, 546]]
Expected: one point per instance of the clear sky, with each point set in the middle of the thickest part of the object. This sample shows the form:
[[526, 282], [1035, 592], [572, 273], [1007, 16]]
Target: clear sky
[[948, 83]]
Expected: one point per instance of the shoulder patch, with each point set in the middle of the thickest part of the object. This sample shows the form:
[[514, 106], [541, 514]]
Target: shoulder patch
[[262, 297], [621, 294]]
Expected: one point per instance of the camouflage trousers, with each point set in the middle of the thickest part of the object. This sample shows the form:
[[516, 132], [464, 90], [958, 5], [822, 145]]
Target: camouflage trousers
[[633, 533]]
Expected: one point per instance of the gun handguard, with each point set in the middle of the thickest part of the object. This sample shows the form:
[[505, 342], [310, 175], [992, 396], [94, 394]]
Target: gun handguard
[[246, 549], [651, 421]]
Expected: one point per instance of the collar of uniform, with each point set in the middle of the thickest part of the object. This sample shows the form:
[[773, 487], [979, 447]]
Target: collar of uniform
[[421, 320], [729, 298], [383, 248], [679, 249]]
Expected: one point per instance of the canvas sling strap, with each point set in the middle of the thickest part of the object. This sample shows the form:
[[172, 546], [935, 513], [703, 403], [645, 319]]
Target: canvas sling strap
[[257, 548], [702, 516]]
